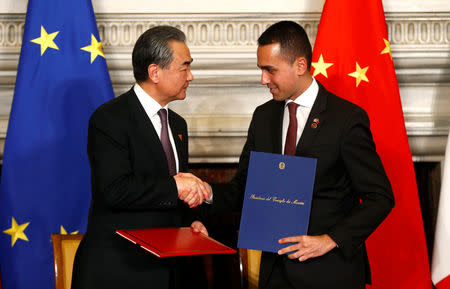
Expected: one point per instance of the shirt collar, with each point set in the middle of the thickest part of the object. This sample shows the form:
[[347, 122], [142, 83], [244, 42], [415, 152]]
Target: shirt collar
[[308, 97], [151, 106]]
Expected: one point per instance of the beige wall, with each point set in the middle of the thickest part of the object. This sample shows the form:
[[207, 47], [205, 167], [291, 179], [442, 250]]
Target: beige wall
[[230, 6], [226, 88]]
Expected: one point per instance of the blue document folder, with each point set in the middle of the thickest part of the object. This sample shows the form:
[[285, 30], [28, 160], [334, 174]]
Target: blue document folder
[[277, 201]]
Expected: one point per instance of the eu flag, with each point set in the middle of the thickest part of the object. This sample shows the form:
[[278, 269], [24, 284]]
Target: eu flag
[[45, 184]]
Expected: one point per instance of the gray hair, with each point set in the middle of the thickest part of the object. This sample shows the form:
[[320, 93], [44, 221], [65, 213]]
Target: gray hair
[[152, 47]]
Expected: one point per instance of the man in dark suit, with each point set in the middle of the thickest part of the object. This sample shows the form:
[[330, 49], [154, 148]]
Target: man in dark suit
[[351, 195], [136, 146]]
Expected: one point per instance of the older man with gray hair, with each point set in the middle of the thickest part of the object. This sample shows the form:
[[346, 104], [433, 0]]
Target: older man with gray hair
[[137, 148]]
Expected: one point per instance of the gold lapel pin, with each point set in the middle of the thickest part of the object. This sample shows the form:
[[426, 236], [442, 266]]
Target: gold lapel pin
[[315, 123]]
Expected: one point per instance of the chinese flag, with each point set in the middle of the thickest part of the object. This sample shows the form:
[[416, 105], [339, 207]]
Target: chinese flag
[[352, 58]]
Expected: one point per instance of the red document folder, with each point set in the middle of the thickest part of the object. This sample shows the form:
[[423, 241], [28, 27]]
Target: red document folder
[[170, 242]]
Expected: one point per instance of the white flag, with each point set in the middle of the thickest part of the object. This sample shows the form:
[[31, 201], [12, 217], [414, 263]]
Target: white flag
[[440, 267]]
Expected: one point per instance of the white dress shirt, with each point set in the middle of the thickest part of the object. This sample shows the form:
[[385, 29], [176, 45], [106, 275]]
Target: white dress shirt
[[305, 102], [151, 107]]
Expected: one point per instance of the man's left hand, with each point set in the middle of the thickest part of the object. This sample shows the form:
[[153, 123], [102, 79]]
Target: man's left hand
[[307, 246], [198, 227]]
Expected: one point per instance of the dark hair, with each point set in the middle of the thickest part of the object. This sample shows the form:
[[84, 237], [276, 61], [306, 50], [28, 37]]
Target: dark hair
[[152, 47], [293, 40]]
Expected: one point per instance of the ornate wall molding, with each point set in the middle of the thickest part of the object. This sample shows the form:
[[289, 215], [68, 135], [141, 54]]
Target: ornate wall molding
[[11, 30], [420, 31], [226, 87], [241, 30]]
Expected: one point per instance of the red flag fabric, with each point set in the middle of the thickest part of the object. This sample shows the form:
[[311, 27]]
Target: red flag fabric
[[352, 58]]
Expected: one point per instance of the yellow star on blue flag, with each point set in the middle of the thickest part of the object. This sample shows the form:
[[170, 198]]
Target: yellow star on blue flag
[[95, 48], [46, 40], [17, 231], [64, 232]]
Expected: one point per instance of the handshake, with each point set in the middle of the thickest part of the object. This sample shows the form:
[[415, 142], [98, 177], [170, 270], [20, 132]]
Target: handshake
[[192, 190]]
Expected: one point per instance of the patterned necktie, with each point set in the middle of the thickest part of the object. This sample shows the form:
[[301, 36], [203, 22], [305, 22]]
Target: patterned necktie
[[168, 150], [291, 136]]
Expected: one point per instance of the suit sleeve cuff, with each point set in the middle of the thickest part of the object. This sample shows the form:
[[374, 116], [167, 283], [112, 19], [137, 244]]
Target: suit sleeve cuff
[[343, 244]]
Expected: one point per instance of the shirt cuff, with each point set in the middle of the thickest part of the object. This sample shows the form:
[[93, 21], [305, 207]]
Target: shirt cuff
[[210, 201]]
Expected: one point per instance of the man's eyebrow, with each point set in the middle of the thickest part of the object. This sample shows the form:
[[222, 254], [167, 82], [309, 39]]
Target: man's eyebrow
[[266, 67]]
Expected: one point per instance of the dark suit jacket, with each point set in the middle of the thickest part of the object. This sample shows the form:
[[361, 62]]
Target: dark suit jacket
[[348, 170], [131, 188]]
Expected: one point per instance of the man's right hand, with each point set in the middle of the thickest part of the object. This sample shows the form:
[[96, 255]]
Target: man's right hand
[[191, 189]]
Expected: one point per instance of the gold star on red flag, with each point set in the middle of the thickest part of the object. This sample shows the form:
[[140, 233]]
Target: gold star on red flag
[[360, 74], [320, 67], [387, 49]]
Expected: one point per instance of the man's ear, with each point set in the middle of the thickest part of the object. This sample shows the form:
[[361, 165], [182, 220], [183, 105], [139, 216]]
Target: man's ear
[[153, 72], [301, 65]]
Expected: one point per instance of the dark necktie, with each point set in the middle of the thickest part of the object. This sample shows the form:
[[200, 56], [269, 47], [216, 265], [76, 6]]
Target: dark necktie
[[291, 136], [168, 150]]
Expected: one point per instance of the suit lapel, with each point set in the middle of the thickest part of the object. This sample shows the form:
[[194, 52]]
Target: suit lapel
[[277, 126], [146, 130], [314, 122]]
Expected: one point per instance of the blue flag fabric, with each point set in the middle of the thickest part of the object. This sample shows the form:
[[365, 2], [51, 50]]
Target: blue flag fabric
[[45, 184]]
